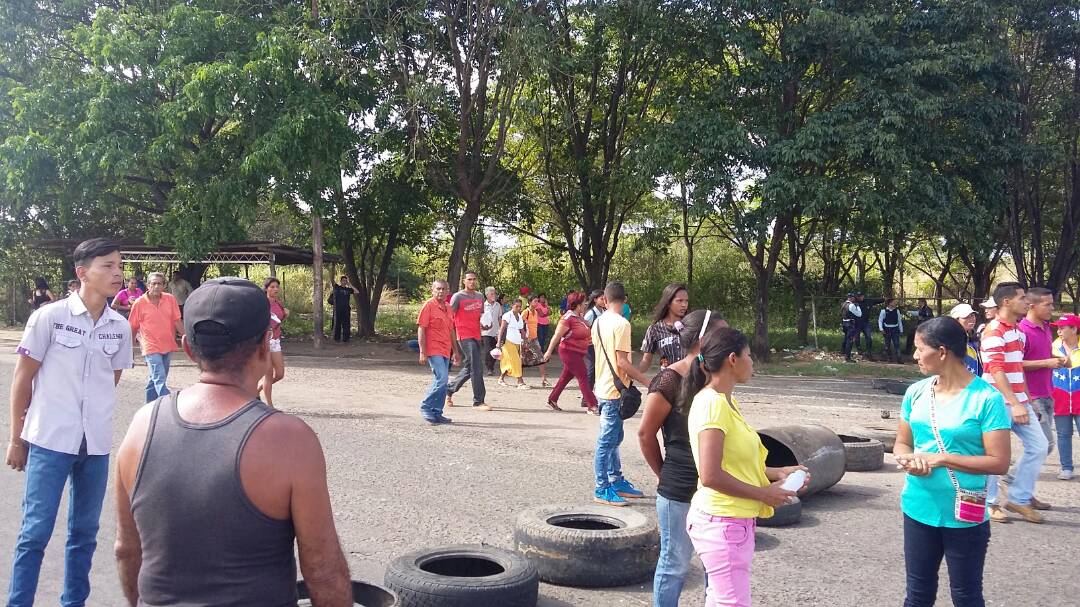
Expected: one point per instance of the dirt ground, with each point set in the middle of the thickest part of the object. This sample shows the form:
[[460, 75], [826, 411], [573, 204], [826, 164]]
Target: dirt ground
[[399, 484]]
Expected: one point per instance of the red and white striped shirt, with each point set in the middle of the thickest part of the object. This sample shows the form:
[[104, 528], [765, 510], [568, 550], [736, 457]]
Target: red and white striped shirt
[[1002, 349]]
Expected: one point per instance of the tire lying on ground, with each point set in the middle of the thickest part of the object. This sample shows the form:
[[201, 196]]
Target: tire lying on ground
[[588, 546], [892, 386], [785, 515], [863, 454], [886, 435], [365, 595], [463, 576]]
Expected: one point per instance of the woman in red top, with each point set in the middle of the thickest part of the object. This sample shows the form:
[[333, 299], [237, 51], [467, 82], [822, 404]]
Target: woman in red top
[[573, 338], [278, 314]]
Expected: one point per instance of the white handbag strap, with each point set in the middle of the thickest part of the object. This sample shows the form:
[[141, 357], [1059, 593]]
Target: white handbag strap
[[937, 434]]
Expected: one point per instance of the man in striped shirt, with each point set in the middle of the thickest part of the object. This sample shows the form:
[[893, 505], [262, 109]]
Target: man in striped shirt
[[1003, 366]]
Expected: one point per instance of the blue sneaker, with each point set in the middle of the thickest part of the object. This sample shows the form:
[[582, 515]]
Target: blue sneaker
[[624, 488], [608, 496], [442, 419]]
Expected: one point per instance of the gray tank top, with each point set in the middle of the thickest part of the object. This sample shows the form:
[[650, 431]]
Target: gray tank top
[[204, 543]]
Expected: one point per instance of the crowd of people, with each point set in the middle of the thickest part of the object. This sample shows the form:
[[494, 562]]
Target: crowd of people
[[856, 325], [262, 473]]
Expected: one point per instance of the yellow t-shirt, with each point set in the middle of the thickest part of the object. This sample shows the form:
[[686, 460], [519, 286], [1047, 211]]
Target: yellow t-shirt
[[744, 455], [614, 331]]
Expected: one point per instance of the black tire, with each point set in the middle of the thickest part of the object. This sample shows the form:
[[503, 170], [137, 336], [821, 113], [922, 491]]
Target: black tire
[[364, 594], [785, 515], [463, 576], [863, 454], [891, 386], [588, 546]]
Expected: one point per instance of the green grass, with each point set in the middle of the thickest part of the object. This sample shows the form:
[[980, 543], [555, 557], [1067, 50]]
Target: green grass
[[820, 368]]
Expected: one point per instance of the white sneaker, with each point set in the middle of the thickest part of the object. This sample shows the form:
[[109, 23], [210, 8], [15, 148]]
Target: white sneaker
[[1065, 475]]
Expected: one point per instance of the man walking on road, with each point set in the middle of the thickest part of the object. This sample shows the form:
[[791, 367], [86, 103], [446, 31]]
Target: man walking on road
[[892, 327], [214, 487], [490, 323], [611, 338], [179, 288], [155, 319], [467, 306], [1003, 366], [62, 398], [662, 336], [435, 336], [1039, 360]]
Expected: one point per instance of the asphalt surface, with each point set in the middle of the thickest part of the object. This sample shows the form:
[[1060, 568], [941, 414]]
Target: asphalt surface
[[399, 485]]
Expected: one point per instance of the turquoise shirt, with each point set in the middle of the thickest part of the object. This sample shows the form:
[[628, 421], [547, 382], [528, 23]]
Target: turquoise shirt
[[977, 409]]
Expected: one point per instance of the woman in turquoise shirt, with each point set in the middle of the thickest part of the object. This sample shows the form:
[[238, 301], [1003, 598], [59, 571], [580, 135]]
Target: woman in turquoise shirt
[[973, 426]]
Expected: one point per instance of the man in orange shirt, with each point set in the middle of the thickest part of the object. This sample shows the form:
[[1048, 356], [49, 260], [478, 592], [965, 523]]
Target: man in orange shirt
[[435, 335], [155, 319]]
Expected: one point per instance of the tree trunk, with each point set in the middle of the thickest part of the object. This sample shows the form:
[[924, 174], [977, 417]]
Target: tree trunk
[[461, 242], [759, 345], [192, 272], [317, 271]]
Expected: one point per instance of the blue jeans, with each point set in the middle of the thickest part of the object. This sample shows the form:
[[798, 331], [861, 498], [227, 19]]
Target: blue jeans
[[606, 463], [676, 550], [46, 474], [158, 364], [964, 550], [432, 405], [472, 367], [1064, 425], [1027, 469]]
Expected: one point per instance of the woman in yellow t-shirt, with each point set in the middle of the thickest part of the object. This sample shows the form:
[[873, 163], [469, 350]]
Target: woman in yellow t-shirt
[[734, 486]]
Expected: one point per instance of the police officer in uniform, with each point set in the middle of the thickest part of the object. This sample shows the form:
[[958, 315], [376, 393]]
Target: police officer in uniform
[[891, 326], [341, 298], [850, 314]]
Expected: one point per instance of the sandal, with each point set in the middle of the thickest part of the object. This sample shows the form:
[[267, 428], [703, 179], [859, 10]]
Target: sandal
[[553, 405], [524, 387], [504, 384], [544, 383]]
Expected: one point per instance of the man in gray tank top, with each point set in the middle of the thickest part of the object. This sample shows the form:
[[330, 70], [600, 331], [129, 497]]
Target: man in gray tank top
[[214, 486]]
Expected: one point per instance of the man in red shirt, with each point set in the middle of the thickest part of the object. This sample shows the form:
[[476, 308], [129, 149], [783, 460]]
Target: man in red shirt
[[1002, 350], [155, 318], [435, 334], [466, 307]]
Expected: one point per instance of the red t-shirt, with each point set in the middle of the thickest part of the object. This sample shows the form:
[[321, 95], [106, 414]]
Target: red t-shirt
[[467, 310], [435, 318], [277, 315], [578, 337]]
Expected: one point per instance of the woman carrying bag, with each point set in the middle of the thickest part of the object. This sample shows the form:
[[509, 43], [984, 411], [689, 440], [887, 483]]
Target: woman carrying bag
[[572, 338], [954, 431]]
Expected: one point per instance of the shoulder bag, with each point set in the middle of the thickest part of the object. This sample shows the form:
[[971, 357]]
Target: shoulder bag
[[629, 396], [970, 506]]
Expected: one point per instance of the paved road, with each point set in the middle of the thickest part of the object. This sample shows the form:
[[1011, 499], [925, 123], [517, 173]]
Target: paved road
[[398, 485]]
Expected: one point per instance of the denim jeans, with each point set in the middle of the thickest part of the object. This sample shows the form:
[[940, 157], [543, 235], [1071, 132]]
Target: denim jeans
[[851, 338], [676, 550], [606, 463], [46, 474], [489, 344], [158, 364], [471, 368], [432, 405], [865, 331], [964, 549], [1027, 469], [1065, 424], [1044, 407]]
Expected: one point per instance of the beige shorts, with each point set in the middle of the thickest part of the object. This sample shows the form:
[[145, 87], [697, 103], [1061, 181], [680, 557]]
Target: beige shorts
[[275, 345]]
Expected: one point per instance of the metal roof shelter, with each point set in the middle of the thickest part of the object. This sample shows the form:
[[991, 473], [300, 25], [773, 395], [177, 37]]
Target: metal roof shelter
[[251, 252]]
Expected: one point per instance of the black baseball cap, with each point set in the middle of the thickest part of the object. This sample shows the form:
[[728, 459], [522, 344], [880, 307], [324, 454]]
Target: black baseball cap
[[225, 311]]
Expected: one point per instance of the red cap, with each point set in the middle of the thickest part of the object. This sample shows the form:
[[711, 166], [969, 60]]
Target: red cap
[[1067, 320]]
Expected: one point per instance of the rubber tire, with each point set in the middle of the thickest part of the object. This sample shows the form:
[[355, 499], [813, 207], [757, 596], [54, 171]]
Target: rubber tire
[[863, 454], [364, 594], [785, 515], [517, 586], [891, 386], [589, 558]]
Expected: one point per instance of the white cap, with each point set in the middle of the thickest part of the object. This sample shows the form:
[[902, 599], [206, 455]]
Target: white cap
[[960, 311], [989, 303]]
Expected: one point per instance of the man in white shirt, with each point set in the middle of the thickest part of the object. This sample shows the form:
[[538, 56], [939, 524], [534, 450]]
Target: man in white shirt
[[891, 325], [62, 398], [849, 321], [489, 326], [180, 289]]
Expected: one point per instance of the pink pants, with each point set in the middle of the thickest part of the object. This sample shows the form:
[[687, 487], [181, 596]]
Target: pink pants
[[726, 548]]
